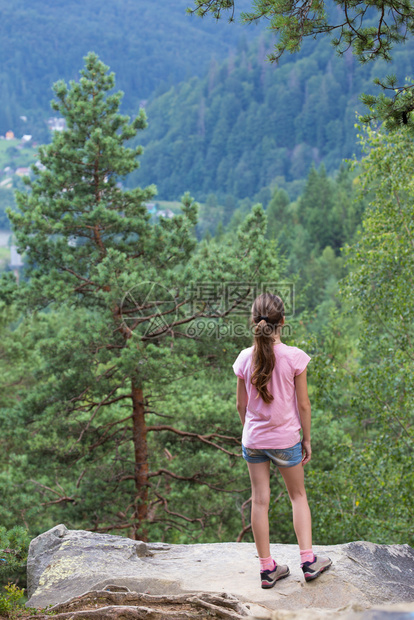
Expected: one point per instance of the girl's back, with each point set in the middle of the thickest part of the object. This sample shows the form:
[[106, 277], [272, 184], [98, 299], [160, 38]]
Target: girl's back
[[276, 424]]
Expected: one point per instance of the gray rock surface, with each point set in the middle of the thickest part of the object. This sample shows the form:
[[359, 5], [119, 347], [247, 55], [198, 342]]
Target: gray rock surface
[[66, 563]]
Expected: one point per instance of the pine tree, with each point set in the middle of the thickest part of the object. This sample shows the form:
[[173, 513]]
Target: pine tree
[[278, 217], [109, 298], [316, 206]]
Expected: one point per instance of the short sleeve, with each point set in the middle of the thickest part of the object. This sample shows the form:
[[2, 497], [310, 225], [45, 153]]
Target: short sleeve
[[238, 366], [301, 360]]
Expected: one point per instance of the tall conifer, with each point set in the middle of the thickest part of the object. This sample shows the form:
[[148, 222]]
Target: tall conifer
[[109, 293]]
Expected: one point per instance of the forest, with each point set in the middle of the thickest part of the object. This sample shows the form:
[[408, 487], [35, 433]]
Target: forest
[[248, 124], [152, 45], [117, 337]]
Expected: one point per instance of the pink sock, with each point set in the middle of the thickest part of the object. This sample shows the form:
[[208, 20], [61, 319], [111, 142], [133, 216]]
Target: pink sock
[[306, 556], [267, 563]]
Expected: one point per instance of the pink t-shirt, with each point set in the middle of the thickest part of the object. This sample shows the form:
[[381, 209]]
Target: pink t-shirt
[[276, 425]]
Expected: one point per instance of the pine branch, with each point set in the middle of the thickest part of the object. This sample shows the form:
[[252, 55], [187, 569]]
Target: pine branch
[[245, 527], [164, 502], [62, 498]]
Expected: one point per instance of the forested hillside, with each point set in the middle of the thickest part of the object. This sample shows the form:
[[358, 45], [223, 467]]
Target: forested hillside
[[222, 119], [248, 124], [150, 46]]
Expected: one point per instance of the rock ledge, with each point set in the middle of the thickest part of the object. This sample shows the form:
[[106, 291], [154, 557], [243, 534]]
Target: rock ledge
[[64, 564]]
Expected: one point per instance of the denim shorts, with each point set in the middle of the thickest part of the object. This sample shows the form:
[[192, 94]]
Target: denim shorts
[[282, 457]]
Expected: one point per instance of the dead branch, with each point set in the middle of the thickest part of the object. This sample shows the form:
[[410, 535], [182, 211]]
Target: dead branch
[[61, 498], [245, 527], [105, 401], [164, 502], [109, 528], [188, 319], [202, 438], [79, 480]]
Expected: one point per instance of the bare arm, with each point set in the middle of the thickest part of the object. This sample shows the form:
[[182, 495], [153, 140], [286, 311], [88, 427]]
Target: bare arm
[[241, 399], [304, 407]]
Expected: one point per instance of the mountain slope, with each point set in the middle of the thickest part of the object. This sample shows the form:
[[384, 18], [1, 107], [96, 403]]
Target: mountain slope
[[149, 45], [248, 124]]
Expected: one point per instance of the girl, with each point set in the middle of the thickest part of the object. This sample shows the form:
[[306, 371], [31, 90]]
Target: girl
[[273, 404]]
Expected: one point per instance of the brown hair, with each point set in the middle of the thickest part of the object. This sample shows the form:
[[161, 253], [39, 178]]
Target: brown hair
[[267, 313]]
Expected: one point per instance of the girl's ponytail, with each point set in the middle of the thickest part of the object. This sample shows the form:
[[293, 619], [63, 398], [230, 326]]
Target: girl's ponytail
[[267, 314]]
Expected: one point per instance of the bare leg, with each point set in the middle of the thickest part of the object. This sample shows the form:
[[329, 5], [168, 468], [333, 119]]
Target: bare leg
[[259, 477], [302, 521]]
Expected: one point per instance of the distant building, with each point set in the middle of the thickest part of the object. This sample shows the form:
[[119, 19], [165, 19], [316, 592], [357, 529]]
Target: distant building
[[56, 124], [9, 135], [16, 260], [151, 208], [166, 213], [40, 166], [22, 172], [26, 138]]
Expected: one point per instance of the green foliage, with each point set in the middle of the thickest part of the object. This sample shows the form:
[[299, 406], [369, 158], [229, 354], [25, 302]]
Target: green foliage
[[311, 232], [12, 157], [14, 546], [10, 601], [75, 198], [395, 111], [364, 373], [358, 481], [382, 258], [17, 153]]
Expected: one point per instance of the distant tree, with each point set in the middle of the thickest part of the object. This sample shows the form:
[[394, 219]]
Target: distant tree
[[109, 297], [316, 209], [212, 201], [230, 206], [264, 196], [278, 216]]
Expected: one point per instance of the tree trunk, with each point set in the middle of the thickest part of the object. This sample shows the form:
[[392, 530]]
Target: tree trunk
[[141, 464]]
